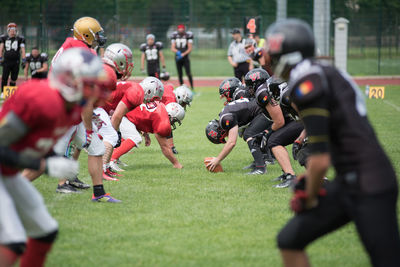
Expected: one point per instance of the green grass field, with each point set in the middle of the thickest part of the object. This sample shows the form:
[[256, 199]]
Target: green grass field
[[191, 217]]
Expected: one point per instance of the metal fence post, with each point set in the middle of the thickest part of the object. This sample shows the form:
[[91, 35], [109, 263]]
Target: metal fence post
[[281, 9], [341, 29], [321, 25]]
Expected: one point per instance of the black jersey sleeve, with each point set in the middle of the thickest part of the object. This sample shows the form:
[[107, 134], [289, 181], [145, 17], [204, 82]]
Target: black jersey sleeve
[[227, 121], [311, 97], [28, 57], [173, 36], [2, 38], [159, 45], [189, 36], [21, 41], [44, 57], [142, 47], [262, 95]]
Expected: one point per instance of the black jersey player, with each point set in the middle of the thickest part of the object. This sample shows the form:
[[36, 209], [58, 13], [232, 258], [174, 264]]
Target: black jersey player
[[333, 111], [12, 47], [181, 46], [239, 113], [152, 54], [36, 62]]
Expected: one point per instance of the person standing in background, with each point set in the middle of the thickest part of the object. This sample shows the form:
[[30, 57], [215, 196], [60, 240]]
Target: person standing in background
[[36, 62], [151, 52], [237, 55], [181, 46], [13, 47]]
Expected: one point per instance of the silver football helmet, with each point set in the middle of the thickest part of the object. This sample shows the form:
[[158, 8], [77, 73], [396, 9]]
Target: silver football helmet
[[153, 89], [183, 95], [75, 73], [176, 113], [119, 56]]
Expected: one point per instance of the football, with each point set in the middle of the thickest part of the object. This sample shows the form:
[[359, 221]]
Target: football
[[217, 169]]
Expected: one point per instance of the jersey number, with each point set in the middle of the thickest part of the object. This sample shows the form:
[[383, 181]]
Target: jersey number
[[13, 45], [151, 54], [35, 65], [181, 42]]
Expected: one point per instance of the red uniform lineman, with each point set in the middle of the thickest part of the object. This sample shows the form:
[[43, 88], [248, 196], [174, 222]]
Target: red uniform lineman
[[130, 93], [71, 42], [168, 96]]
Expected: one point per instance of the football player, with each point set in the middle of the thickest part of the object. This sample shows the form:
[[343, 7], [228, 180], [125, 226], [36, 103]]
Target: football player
[[183, 96], [133, 95], [152, 54], [151, 117], [36, 62], [232, 89], [169, 97], [333, 111], [181, 46], [12, 48], [39, 113], [87, 33], [239, 113], [257, 54]]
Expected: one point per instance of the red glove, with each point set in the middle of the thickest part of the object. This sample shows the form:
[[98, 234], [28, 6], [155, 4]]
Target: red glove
[[298, 201]]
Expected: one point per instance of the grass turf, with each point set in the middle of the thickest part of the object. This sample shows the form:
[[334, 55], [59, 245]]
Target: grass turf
[[191, 217]]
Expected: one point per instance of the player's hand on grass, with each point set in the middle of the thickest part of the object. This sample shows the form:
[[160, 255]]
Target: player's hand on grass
[[212, 164], [61, 167], [178, 166]]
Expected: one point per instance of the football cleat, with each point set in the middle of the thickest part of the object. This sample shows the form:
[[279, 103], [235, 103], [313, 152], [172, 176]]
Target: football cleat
[[251, 166], [114, 167], [257, 171], [110, 172], [279, 178], [67, 189], [109, 178], [288, 179], [78, 184], [120, 163], [105, 198], [174, 150]]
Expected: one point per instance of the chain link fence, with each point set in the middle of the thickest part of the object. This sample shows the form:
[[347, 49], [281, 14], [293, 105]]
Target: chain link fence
[[374, 27]]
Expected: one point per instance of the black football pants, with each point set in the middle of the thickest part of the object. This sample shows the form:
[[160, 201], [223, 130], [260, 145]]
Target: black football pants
[[184, 63], [9, 68]]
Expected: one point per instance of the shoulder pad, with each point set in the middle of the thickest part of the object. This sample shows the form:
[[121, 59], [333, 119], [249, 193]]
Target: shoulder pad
[[159, 45], [309, 87], [227, 121], [27, 55], [189, 35], [22, 38], [174, 34], [142, 47], [262, 95], [44, 56]]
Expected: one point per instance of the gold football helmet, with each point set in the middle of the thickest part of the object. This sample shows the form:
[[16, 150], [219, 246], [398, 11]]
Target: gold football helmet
[[89, 30]]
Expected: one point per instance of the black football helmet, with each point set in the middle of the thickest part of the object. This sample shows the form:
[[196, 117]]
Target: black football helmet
[[289, 42], [275, 87], [255, 78], [215, 133], [228, 87], [164, 75]]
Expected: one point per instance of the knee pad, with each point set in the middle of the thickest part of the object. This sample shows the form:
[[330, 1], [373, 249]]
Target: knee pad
[[17, 248], [49, 238]]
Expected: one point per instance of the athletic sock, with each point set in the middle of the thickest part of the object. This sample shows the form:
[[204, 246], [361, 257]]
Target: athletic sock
[[124, 148], [35, 254], [98, 190], [7, 256], [256, 152]]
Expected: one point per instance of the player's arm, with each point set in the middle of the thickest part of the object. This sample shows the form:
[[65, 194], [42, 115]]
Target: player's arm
[[162, 58], [313, 109], [166, 150], [251, 65], [142, 59], [26, 69], [228, 147], [44, 68], [1, 49], [261, 60], [234, 64], [173, 46], [190, 46], [23, 55], [119, 112], [276, 114]]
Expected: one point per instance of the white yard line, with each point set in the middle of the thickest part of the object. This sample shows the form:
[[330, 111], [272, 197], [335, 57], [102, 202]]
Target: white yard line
[[396, 107]]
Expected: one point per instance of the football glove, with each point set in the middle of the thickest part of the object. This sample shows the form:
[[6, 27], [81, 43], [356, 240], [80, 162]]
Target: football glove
[[296, 148], [88, 141], [60, 167], [298, 201], [178, 55]]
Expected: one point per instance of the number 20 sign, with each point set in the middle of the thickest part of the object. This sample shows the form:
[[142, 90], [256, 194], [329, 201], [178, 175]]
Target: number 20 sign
[[376, 92]]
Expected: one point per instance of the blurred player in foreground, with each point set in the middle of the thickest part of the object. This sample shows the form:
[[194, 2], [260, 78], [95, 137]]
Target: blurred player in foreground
[[32, 120], [333, 111]]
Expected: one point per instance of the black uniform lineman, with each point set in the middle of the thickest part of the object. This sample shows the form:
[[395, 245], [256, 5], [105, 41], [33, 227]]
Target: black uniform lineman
[[152, 53], [36, 63], [240, 113], [335, 117], [12, 46], [181, 45]]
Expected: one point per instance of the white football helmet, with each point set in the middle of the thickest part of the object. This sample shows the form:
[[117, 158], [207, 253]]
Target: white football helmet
[[119, 56], [183, 95], [153, 89], [75, 71], [176, 113]]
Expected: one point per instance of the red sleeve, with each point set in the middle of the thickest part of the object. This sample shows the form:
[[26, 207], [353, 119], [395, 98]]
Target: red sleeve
[[133, 97], [161, 125]]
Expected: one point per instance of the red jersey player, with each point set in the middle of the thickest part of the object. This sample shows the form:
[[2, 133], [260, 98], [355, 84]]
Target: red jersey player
[[153, 117], [31, 121]]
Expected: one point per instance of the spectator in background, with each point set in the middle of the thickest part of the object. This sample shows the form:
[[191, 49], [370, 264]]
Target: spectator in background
[[13, 47], [152, 53], [237, 55], [36, 62], [181, 46]]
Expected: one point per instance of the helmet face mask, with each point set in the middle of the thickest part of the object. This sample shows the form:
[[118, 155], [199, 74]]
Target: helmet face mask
[[176, 114], [89, 30], [215, 133], [228, 87]]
